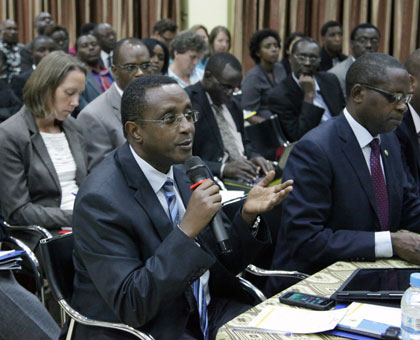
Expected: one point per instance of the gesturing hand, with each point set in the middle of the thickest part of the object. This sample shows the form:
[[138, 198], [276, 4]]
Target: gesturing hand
[[262, 198]]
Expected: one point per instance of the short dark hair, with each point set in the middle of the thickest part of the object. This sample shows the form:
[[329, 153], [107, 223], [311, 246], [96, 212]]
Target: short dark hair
[[304, 39], [150, 44], [38, 38], [257, 37], [164, 25], [55, 28], [215, 31], [134, 102], [370, 69], [218, 61], [363, 26], [289, 39], [186, 41], [328, 25], [87, 28], [120, 43], [412, 63]]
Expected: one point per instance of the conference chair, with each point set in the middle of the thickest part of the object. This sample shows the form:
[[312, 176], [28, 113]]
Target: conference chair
[[57, 256]]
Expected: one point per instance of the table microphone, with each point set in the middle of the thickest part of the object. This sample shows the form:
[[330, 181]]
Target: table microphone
[[197, 172]]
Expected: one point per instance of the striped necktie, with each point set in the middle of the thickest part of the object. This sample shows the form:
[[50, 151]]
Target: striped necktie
[[197, 287]]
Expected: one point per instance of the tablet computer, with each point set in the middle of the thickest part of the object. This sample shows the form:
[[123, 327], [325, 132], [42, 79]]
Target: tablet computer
[[367, 284]]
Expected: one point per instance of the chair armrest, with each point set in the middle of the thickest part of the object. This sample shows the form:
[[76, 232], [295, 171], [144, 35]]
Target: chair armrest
[[36, 228], [89, 322], [249, 287], [282, 273]]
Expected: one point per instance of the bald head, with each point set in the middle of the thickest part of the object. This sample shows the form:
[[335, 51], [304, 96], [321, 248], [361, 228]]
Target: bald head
[[10, 31]]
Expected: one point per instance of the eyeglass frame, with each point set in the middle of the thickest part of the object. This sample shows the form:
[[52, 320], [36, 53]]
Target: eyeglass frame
[[141, 66], [178, 117], [391, 97], [302, 58]]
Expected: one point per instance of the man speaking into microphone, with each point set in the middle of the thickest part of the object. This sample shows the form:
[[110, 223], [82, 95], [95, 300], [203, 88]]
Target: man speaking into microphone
[[145, 253]]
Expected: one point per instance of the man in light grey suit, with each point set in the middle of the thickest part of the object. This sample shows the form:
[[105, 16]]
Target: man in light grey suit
[[363, 39], [101, 119]]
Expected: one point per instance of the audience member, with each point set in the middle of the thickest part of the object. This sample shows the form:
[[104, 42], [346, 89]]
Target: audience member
[[101, 119], [98, 78], [219, 40], [408, 131], [164, 30], [287, 50], [352, 198], [41, 46], [363, 39], [42, 156], [178, 281], [86, 28], [306, 97], [106, 37], [185, 52], [22, 314], [9, 103], [202, 32], [264, 48], [42, 21], [159, 55], [11, 49], [60, 36], [332, 44], [219, 140]]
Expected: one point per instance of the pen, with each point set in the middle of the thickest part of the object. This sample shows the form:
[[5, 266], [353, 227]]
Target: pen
[[260, 330]]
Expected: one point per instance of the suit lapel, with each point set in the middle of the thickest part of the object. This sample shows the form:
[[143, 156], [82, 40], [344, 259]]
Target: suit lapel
[[40, 147], [144, 193], [326, 90], [353, 153], [115, 100], [76, 150], [411, 132]]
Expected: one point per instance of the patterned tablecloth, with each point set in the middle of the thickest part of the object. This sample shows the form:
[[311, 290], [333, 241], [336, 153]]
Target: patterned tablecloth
[[323, 283]]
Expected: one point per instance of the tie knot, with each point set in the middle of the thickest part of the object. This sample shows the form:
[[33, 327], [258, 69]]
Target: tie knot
[[374, 144], [168, 186]]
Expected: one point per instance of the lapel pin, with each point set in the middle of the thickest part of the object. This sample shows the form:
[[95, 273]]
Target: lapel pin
[[386, 152]]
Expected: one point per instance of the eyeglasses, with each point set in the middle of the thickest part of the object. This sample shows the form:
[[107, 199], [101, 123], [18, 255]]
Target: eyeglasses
[[227, 89], [302, 58], [133, 68], [172, 120], [396, 97], [364, 41]]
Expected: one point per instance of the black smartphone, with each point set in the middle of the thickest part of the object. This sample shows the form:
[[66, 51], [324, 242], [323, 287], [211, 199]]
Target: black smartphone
[[306, 300]]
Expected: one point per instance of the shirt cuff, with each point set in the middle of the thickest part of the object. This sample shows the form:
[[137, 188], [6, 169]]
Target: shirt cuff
[[383, 244]]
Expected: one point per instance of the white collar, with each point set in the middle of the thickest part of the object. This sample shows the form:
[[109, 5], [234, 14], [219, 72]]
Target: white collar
[[416, 118], [363, 136]]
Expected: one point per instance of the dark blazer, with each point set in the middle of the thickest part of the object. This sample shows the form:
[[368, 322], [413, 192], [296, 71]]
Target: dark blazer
[[326, 61], [133, 266], [91, 91], [18, 83], [9, 103], [298, 117], [331, 214], [31, 192], [410, 148], [208, 142]]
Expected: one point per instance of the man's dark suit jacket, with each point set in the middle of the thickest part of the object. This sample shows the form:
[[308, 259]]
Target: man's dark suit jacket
[[326, 61], [298, 117], [208, 142], [133, 266], [410, 148], [18, 83], [331, 214]]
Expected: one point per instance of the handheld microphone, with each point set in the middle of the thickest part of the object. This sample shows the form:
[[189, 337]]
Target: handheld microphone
[[197, 172]]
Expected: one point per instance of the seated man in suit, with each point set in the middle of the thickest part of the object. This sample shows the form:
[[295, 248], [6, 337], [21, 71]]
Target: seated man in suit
[[101, 118], [219, 140], [142, 239], [409, 130], [353, 197], [106, 39], [363, 39], [332, 44], [306, 97]]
